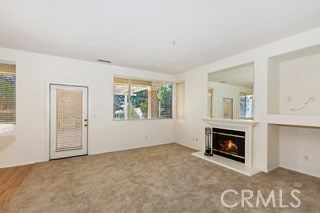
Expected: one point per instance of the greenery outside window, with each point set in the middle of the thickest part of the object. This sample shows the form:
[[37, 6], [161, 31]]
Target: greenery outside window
[[141, 99]]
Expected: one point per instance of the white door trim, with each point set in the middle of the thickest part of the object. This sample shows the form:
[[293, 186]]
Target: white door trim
[[47, 113]]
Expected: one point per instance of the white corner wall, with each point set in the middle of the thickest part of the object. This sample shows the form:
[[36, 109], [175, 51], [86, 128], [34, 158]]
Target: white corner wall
[[29, 141], [265, 150]]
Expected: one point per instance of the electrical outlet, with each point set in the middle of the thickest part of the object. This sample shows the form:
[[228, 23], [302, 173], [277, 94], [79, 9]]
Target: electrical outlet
[[306, 158]]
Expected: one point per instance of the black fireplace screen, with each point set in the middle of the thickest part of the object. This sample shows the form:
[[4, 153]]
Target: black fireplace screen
[[229, 143]]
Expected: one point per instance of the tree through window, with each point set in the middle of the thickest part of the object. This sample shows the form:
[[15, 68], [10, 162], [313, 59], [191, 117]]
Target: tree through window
[[141, 99]]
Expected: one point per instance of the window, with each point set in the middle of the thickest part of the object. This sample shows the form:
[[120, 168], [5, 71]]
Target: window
[[210, 103], [180, 94], [7, 93], [140, 99], [246, 106]]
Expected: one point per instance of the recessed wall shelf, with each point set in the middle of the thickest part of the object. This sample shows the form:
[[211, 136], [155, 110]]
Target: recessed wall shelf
[[294, 120], [294, 110], [293, 88]]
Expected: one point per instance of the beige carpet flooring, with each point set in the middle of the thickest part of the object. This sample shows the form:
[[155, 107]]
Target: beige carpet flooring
[[164, 178]]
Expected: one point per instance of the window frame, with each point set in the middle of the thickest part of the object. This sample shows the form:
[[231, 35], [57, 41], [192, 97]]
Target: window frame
[[130, 78]]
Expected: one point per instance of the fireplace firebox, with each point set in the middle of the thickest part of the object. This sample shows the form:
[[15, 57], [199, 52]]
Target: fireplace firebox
[[229, 144]]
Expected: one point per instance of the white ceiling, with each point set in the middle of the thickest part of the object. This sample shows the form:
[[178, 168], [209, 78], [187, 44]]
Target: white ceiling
[[139, 33], [242, 75]]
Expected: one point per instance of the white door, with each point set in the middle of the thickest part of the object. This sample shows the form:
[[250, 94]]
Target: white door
[[68, 121]]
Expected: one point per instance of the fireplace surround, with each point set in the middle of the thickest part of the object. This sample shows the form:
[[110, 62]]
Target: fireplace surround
[[244, 126]]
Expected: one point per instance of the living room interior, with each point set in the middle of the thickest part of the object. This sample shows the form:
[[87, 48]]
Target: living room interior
[[121, 106]]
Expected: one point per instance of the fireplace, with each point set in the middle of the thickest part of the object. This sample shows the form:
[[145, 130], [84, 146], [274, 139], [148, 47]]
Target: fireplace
[[229, 144]]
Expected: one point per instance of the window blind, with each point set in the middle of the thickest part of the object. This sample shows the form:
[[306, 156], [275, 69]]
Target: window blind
[[180, 94], [69, 119], [7, 93]]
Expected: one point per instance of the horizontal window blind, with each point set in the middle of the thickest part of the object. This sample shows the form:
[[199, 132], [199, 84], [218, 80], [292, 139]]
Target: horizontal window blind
[[69, 120], [7, 93]]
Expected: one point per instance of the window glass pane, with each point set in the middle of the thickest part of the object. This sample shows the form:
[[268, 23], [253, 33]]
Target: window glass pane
[[246, 105], [138, 107], [242, 105], [140, 99], [249, 106], [165, 100], [120, 101], [7, 94]]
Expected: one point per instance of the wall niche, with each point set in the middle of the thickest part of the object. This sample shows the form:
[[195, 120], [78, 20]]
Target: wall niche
[[294, 88]]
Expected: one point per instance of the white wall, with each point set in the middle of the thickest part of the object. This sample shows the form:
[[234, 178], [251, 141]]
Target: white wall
[[264, 153], [299, 80], [29, 143], [221, 91], [295, 144]]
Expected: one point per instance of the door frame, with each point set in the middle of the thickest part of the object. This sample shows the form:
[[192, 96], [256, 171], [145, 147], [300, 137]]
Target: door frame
[[48, 113]]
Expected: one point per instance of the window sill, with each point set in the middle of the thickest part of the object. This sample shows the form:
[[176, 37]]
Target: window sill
[[158, 119], [5, 128]]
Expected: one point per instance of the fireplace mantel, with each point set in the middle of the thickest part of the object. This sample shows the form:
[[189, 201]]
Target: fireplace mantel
[[232, 122]]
